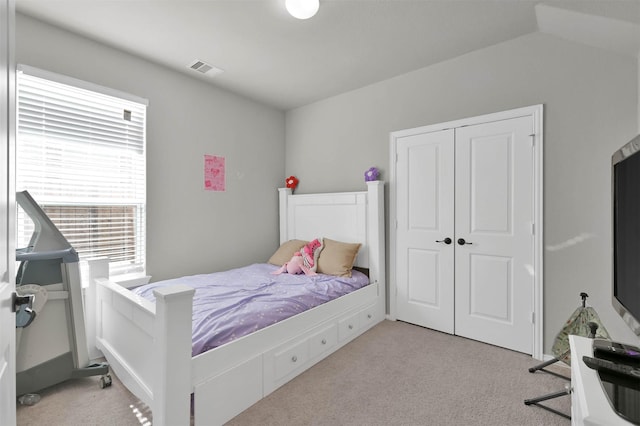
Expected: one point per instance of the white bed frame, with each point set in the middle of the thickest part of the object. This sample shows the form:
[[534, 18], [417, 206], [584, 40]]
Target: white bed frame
[[148, 345]]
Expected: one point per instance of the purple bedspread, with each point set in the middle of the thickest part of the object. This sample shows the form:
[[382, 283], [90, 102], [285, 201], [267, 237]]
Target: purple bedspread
[[231, 304]]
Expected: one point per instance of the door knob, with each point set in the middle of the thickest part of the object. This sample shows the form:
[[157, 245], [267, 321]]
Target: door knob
[[446, 241], [462, 242]]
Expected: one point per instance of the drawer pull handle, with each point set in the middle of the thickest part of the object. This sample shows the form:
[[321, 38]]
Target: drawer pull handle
[[294, 358], [324, 341], [350, 326]]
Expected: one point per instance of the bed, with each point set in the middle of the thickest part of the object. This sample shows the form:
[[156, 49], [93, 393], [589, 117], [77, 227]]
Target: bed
[[149, 343]]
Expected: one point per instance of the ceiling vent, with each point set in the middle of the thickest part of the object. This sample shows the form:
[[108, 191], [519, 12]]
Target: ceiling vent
[[205, 68]]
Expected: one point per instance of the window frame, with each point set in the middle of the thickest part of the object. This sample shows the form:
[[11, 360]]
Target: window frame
[[129, 269]]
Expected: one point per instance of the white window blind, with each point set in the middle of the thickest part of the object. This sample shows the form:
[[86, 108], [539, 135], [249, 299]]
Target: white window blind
[[81, 155]]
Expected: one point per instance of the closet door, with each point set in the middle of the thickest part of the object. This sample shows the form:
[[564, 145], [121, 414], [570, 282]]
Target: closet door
[[494, 235], [425, 197], [474, 184]]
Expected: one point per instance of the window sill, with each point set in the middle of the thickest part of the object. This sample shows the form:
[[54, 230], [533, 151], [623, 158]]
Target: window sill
[[131, 280]]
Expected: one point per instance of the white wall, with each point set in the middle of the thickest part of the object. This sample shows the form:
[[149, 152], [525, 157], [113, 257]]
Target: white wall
[[189, 230], [591, 109]]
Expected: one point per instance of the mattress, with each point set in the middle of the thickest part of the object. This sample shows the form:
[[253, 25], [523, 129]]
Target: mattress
[[231, 304]]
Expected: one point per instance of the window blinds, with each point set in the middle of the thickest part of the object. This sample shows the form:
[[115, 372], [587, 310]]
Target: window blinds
[[81, 155]]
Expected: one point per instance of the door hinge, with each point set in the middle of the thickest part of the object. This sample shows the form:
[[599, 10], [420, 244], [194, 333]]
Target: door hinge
[[533, 229], [533, 139], [533, 317]]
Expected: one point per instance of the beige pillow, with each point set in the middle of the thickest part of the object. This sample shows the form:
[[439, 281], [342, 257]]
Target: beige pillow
[[337, 258], [285, 251]]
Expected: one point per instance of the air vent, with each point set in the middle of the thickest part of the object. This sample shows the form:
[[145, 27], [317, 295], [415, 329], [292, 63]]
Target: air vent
[[205, 68]]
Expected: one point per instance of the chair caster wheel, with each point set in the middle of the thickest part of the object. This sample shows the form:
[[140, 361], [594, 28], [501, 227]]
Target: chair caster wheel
[[105, 381]]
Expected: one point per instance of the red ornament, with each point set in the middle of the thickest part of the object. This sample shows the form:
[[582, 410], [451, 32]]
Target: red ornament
[[291, 182]]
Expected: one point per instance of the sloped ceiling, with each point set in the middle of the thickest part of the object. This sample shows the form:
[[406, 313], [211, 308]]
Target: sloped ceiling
[[273, 58], [605, 31]]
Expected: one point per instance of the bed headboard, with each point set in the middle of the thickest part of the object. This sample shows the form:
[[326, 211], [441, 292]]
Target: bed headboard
[[351, 217]]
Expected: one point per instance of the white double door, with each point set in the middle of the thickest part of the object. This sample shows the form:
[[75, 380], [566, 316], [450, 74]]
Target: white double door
[[464, 238]]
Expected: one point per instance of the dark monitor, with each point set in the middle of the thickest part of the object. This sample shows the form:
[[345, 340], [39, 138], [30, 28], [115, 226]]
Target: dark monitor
[[625, 165]]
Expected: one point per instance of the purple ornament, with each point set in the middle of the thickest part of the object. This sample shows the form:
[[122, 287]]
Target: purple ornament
[[371, 174]]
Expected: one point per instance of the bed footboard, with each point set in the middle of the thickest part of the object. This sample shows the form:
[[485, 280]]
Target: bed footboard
[[148, 345]]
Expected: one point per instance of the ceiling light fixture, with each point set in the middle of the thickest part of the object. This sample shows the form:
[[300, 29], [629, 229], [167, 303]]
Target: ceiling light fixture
[[302, 9]]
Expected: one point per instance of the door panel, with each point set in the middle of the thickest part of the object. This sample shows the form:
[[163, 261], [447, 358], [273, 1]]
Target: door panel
[[489, 175], [425, 266], [490, 288], [494, 215], [7, 252]]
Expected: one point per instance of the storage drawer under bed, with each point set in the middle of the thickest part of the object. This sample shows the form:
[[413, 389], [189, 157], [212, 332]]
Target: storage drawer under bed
[[286, 361]]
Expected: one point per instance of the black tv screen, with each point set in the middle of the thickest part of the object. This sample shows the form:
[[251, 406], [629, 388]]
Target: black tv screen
[[626, 233]]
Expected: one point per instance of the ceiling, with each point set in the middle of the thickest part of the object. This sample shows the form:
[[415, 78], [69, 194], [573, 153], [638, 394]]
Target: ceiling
[[273, 58]]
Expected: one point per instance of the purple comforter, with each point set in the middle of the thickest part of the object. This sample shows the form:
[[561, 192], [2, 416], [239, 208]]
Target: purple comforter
[[231, 304]]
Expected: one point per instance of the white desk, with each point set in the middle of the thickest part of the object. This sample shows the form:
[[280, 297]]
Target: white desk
[[589, 403]]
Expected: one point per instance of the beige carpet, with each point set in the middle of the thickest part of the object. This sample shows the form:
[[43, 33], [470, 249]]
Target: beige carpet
[[395, 374], [82, 402]]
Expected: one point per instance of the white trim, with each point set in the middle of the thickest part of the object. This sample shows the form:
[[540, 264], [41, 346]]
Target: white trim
[[536, 113], [538, 216], [63, 79]]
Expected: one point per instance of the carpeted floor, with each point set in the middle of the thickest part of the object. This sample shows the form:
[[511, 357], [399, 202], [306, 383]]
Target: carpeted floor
[[394, 374]]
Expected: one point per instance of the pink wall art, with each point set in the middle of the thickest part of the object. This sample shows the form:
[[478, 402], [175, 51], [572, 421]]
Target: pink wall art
[[214, 173]]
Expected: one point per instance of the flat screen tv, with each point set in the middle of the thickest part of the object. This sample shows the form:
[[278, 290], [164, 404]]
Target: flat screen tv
[[625, 165]]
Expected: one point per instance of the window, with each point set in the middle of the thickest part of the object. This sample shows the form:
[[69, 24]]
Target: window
[[80, 152]]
